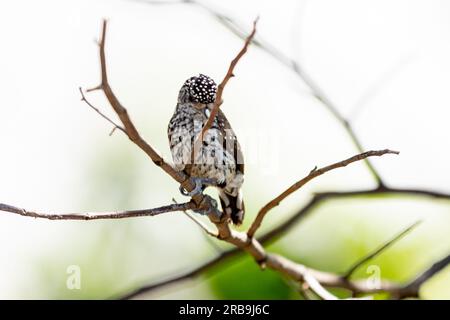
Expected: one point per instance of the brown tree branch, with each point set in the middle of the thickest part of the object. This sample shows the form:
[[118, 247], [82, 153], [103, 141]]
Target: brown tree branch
[[307, 293], [129, 127], [225, 80], [298, 272], [276, 233], [198, 222], [317, 288], [204, 203], [98, 215], [313, 174]]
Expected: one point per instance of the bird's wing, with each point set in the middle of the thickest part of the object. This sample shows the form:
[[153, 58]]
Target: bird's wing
[[230, 141]]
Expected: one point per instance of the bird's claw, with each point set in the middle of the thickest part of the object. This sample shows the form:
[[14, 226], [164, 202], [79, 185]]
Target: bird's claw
[[197, 190], [200, 183], [211, 207], [208, 205]]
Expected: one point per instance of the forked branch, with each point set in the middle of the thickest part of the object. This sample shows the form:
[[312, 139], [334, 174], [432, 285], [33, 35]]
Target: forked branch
[[313, 174]]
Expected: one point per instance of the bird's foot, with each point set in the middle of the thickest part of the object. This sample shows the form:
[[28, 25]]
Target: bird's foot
[[209, 207], [200, 185]]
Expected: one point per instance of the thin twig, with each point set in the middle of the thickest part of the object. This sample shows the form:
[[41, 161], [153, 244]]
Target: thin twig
[[98, 215], [115, 125], [203, 226], [313, 174], [388, 191], [379, 250], [227, 77]]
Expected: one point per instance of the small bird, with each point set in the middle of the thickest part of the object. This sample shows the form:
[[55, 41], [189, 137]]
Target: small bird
[[219, 156]]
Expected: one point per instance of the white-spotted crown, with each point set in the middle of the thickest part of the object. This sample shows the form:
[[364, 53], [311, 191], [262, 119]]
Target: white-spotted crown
[[201, 89]]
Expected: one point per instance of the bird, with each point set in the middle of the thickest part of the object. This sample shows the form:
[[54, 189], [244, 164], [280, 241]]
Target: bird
[[219, 157]]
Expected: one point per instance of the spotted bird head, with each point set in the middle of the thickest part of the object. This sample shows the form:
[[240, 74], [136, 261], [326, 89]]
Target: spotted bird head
[[200, 90]]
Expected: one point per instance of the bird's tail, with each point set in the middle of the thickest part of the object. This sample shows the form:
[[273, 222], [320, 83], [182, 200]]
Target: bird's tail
[[233, 206]]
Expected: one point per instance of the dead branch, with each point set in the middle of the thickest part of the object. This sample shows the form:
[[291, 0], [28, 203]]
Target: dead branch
[[313, 174], [115, 125], [98, 215], [198, 222], [317, 288], [274, 234], [129, 127], [227, 77], [298, 272]]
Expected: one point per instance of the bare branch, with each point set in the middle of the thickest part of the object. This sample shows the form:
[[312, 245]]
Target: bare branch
[[284, 227], [115, 126], [203, 202], [306, 292], [388, 191], [98, 215], [129, 127], [317, 288], [203, 226], [319, 198], [412, 289], [313, 174], [227, 77], [379, 250]]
